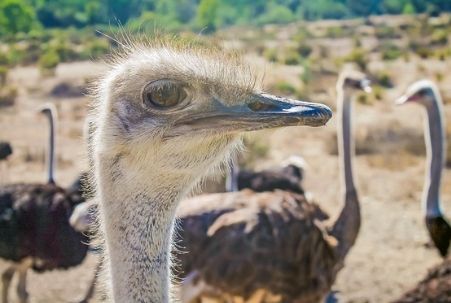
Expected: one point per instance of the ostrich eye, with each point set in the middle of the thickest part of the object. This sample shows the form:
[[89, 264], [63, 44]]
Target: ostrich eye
[[163, 94]]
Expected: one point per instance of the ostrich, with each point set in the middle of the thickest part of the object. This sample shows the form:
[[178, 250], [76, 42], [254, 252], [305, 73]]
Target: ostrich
[[5, 151], [34, 227], [287, 177], [168, 114], [426, 94], [244, 241], [434, 288]]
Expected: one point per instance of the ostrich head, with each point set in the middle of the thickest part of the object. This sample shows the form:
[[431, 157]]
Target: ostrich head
[[352, 81], [168, 114], [423, 92], [185, 107]]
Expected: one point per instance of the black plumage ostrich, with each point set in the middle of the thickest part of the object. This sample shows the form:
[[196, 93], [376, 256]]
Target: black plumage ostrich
[[34, 226], [286, 177], [5, 150]]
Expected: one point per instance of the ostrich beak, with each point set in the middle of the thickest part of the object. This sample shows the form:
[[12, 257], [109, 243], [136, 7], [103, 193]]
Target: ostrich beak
[[365, 85], [260, 111], [405, 99]]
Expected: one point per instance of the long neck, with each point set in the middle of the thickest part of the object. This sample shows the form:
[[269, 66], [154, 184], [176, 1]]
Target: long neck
[[137, 214], [435, 145], [51, 149], [347, 226], [232, 176]]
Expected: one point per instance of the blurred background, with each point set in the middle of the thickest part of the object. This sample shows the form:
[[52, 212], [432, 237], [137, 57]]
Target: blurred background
[[51, 51]]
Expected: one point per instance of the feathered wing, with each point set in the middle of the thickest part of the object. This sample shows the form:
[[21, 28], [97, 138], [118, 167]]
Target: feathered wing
[[436, 287], [34, 221], [240, 242]]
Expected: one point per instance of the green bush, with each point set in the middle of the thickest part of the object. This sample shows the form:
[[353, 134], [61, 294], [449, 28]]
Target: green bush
[[8, 96], [270, 54], [383, 79], [98, 48], [49, 61], [3, 75], [304, 50], [285, 88], [391, 52], [292, 57], [386, 32], [359, 57], [439, 37]]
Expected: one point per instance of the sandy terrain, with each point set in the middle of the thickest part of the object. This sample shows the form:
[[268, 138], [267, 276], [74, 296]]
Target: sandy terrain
[[390, 254]]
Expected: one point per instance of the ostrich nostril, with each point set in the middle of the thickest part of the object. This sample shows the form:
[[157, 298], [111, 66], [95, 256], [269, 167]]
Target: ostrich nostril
[[259, 106]]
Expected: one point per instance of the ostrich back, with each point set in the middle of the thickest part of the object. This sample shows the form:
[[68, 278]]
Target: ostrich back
[[284, 178], [5, 150], [34, 222], [435, 288], [240, 242]]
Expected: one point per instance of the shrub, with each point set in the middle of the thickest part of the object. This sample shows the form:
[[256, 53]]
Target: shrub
[[386, 32], [383, 79], [439, 37], [49, 61], [391, 52], [359, 57], [270, 54], [98, 48], [285, 88], [292, 58], [8, 96], [304, 50], [3, 75]]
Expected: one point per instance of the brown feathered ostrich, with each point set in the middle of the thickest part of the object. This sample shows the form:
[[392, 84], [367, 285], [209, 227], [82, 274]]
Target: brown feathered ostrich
[[244, 241], [287, 177], [167, 115], [434, 288], [34, 227], [5, 151], [426, 94]]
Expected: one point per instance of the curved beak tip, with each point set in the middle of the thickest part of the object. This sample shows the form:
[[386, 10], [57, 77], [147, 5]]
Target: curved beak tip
[[401, 100]]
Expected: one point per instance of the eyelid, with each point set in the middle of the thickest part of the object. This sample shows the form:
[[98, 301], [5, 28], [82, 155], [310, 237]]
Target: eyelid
[[165, 82]]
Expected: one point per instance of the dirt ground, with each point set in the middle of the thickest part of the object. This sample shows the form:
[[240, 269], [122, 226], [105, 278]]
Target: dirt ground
[[390, 255]]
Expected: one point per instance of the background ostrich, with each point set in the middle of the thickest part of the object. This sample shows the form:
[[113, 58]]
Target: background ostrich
[[245, 241], [167, 115], [426, 94], [34, 226], [287, 177], [434, 288], [5, 151]]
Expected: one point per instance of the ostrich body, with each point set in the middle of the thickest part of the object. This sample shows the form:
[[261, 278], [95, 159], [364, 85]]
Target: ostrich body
[[5, 150], [426, 94], [244, 241], [34, 227], [434, 288], [288, 177], [169, 114]]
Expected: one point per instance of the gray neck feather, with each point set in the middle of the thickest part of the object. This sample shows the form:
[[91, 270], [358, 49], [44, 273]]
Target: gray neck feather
[[345, 140], [232, 176], [347, 225], [51, 150], [137, 214], [435, 148]]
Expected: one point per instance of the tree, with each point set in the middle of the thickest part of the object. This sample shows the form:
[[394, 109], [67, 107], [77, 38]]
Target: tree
[[16, 16], [206, 14]]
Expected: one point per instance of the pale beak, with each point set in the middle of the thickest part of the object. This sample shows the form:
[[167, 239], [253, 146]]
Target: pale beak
[[402, 100], [260, 111], [365, 84]]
